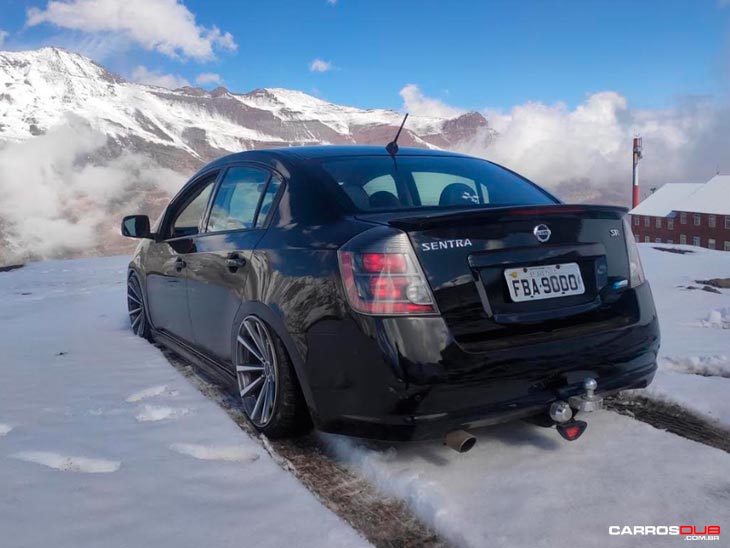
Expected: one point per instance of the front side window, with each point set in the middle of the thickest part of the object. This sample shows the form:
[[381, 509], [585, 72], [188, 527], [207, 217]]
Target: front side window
[[697, 219], [647, 239], [683, 218], [190, 215], [375, 183], [670, 224], [711, 221], [683, 239], [658, 222], [237, 200], [711, 243], [727, 222], [696, 241], [647, 222], [636, 220], [727, 246]]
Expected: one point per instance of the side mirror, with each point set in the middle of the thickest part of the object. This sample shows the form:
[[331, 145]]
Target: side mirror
[[136, 226]]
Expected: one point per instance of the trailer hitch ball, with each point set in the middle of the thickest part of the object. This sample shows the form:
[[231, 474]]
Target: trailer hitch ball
[[589, 401]]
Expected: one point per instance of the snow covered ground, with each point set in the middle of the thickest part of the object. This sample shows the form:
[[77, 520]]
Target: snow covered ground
[[694, 363], [103, 443]]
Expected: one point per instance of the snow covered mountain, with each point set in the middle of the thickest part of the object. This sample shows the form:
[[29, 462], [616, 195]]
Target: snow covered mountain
[[93, 147], [186, 127]]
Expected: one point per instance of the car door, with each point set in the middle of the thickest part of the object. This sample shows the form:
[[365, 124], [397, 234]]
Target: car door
[[219, 268], [166, 259]]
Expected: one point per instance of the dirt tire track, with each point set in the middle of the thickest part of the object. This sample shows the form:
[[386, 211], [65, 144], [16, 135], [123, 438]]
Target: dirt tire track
[[384, 521], [672, 418]]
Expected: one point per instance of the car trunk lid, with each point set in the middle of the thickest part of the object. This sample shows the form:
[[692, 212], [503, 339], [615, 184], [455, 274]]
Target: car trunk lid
[[468, 257]]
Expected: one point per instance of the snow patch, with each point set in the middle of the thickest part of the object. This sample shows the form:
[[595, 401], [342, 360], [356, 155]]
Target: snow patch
[[151, 392], [395, 476], [718, 318], [69, 464], [707, 366], [232, 453], [154, 413], [5, 429]]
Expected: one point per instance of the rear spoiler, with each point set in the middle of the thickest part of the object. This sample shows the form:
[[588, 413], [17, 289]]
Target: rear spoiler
[[433, 219]]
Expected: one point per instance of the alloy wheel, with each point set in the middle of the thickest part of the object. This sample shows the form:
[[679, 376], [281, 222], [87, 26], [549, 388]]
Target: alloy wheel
[[135, 306], [256, 370]]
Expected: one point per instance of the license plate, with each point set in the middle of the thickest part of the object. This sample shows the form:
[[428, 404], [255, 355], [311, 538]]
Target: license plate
[[534, 283]]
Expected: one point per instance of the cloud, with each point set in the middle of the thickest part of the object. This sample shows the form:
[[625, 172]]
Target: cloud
[[207, 78], [3, 36], [583, 153], [143, 75], [73, 193], [416, 103], [318, 65], [165, 26]]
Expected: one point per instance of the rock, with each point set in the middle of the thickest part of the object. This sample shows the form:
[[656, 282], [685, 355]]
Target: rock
[[721, 283], [711, 289]]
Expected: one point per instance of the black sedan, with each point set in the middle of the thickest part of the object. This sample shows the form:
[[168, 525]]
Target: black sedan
[[393, 294]]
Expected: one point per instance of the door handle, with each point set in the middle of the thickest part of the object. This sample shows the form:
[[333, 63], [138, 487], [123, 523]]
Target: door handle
[[180, 264], [235, 261]]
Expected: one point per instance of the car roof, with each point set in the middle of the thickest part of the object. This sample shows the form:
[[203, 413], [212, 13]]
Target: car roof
[[303, 153]]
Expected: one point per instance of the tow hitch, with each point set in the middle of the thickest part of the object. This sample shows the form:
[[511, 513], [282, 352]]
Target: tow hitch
[[589, 401], [562, 412]]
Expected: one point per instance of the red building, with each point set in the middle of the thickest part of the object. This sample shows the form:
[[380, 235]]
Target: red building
[[686, 213]]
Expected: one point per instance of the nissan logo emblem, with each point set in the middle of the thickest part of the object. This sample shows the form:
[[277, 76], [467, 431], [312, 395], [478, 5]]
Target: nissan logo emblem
[[542, 233]]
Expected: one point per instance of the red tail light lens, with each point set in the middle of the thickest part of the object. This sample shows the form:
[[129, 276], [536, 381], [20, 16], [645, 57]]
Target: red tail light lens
[[375, 263], [384, 278], [636, 270]]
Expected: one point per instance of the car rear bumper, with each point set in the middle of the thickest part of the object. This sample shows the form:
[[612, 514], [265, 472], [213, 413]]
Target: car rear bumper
[[407, 379]]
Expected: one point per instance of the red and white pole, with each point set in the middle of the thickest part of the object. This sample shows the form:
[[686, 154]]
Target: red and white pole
[[635, 176]]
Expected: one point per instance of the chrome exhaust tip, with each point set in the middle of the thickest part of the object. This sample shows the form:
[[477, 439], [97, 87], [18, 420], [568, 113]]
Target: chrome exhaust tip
[[560, 412], [460, 441]]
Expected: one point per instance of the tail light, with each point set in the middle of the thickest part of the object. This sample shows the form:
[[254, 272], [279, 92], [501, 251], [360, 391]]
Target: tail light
[[382, 275], [636, 270]]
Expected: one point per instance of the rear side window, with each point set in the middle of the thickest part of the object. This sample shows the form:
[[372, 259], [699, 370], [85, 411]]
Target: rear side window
[[376, 183], [237, 199]]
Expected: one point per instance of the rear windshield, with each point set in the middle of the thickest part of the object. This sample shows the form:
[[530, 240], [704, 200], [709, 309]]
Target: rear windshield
[[376, 183]]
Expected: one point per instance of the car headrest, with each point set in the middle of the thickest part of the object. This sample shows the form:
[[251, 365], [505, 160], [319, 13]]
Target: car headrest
[[358, 196], [383, 200], [458, 194]]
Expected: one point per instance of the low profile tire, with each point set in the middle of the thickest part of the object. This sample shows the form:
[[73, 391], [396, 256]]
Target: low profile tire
[[136, 308], [270, 394]]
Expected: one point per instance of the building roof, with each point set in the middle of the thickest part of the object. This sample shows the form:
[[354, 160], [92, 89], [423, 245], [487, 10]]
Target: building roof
[[712, 197], [670, 197]]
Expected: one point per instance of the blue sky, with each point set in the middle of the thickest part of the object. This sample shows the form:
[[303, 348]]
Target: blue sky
[[470, 54]]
